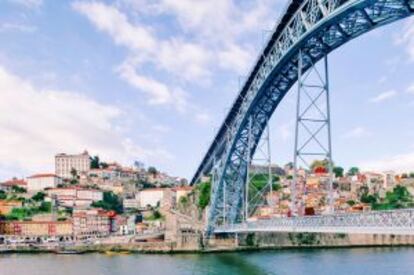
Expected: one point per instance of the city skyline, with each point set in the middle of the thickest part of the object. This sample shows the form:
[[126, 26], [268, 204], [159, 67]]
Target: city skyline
[[151, 81]]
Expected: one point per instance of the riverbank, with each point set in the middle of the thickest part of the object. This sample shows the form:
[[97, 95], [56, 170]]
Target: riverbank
[[246, 242]]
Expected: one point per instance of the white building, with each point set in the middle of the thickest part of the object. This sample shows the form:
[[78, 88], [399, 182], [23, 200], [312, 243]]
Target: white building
[[64, 164], [40, 182], [151, 197]]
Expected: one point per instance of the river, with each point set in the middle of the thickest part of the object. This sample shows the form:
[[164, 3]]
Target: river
[[364, 261]]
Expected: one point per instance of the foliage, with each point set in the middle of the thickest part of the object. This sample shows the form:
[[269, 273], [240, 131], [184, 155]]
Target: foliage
[[338, 171], [3, 195], [259, 181], [351, 202], [156, 215], [183, 200], [18, 189], [23, 213], [250, 239], [74, 173], [110, 202], [319, 163], [45, 206], [152, 170], [204, 190], [95, 164], [353, 171], [39, 196], [306, 238], [398, 198], [411, 174]]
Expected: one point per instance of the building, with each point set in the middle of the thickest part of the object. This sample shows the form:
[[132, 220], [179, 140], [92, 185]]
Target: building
[[40, 182], [8, 185], [36, 228], [7, 206], [91, 223], [151, 197], [64, 164], [181, 191], [75, 196]]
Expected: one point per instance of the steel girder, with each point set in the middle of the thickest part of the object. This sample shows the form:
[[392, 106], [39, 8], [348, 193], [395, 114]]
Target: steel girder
[[397, 222], [316, 28]]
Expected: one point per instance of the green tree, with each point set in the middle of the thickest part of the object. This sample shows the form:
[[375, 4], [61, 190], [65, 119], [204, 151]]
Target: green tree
[[3, 195], [353, 171], [110, 202], [338, 171], [204, 190], [152, 170], [45, 206], [411, 174], [39, 196], [18, 189], [95, 164]]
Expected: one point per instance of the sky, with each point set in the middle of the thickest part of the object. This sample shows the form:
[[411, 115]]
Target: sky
[[152, 80]]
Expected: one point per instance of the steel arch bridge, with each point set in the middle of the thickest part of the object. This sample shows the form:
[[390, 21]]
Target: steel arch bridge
[[310, 29]]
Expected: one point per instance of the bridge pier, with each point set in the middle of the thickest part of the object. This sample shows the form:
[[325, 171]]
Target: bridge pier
[[312, 127]]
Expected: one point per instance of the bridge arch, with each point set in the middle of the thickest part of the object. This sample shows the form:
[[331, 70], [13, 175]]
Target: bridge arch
[[313, 27]]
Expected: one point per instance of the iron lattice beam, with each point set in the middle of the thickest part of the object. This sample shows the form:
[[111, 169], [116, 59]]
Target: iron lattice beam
[[314, 27]]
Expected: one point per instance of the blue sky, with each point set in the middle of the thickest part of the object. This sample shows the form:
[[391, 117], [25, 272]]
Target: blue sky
[[152, 80]]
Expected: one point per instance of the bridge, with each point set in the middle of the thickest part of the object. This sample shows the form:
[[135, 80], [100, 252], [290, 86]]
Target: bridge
[[306, 33]]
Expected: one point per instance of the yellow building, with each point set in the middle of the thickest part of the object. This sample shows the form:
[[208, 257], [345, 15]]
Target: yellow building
[[36, 228]]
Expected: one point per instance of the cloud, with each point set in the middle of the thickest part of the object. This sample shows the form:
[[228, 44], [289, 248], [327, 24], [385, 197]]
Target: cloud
[[410, 89], [35, 124], [406, 38], [5, 27], [357, 132], [384, 96], [399, 163], [28, 3]]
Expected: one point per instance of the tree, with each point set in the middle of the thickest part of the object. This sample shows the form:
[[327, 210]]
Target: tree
[[338, 171], [95, 164], [152, 170], [411, 174], [404, 176], [353, 171], [74, 173], [45, 206], [39, 196], [110, 202], [3, 195], [319, 163], [18, 189], [204, 190]]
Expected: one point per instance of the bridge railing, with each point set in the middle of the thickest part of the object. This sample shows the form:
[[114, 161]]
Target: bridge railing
[[393, 221]]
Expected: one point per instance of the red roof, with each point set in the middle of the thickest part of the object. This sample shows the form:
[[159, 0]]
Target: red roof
[[46, 175], [14, 182]]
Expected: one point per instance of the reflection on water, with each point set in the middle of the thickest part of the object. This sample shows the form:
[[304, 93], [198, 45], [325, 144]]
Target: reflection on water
[[365, 261]]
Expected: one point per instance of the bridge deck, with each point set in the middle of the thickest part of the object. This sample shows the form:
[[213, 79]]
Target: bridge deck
[[396, 222]]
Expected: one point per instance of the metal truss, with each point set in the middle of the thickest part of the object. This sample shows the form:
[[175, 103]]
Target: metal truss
[[313, 129], [313, 27], [256, 196], [396, 222]]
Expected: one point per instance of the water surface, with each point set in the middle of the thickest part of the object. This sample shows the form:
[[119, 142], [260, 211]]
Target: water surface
[[365, 261]]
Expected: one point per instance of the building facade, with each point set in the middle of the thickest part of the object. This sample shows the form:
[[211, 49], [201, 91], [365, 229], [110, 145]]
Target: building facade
[[40, 182], [91, 223], [65, 163], [36, 228]]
